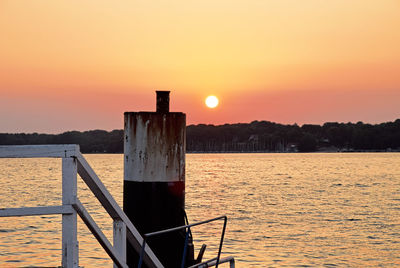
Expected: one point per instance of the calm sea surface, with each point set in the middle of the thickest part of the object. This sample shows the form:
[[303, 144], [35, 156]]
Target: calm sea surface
[[284, 210]]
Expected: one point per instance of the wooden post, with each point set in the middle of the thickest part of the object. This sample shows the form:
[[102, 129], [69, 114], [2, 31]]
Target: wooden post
[[119, 243], [70, 249], [154, 178]]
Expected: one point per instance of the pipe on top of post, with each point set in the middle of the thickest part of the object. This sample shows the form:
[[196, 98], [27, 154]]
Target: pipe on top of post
[[162, 101]]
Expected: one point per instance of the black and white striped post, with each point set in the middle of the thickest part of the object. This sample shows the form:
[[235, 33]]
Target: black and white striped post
[[154, 178]]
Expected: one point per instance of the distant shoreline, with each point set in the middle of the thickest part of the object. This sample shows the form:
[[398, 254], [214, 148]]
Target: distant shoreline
[[254, 137]]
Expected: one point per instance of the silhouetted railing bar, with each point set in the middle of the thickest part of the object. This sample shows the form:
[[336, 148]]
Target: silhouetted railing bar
[[185, 248], [217, 261], [206, 263], [148, 235], [221, 241], [213, 262]]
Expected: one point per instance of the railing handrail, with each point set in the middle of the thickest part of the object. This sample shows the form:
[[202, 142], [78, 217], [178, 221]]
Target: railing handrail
[[39, 151]]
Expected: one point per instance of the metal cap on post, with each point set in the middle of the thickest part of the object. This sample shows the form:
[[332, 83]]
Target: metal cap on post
[[162, 101]]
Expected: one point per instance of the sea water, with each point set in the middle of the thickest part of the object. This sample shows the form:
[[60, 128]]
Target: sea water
[[284, 210]]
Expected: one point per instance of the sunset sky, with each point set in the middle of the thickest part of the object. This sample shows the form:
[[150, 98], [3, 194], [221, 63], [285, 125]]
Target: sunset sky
[[78, 65]]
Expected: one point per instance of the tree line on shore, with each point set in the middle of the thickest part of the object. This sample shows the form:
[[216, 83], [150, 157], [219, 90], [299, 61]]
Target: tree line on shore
[[257, 136]]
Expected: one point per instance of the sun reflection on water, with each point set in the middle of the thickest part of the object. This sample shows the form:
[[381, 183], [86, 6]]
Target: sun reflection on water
[[283, 209]]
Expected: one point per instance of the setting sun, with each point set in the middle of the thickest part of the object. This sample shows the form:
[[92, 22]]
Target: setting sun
[[212, 101]]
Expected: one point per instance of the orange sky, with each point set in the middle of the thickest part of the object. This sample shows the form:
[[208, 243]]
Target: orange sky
[[78, 65]]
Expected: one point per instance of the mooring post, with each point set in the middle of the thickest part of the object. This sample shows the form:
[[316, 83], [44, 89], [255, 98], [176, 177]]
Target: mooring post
[[154, 178]]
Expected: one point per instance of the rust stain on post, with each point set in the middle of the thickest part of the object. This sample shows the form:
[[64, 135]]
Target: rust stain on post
[[155, 146]]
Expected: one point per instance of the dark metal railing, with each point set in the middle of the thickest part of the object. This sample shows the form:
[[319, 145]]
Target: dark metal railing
[[188, 226]]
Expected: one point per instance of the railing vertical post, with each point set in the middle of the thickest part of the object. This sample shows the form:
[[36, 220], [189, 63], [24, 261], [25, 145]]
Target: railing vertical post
[[119, 242], [69, 221], [232, 263]]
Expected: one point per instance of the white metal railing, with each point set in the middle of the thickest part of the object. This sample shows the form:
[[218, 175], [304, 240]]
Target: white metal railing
[[74, 163]]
